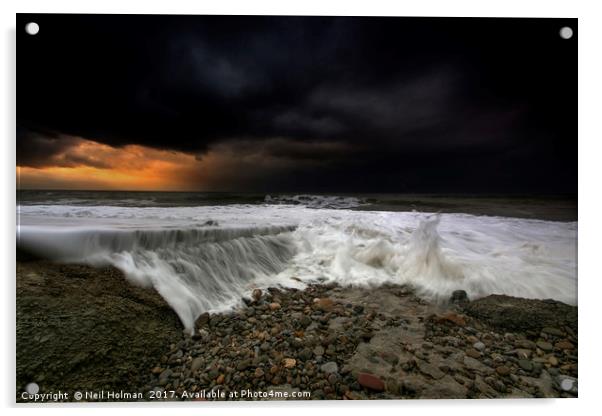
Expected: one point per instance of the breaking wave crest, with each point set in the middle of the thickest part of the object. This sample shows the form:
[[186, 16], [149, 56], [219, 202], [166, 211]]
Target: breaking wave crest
[[316, 201]]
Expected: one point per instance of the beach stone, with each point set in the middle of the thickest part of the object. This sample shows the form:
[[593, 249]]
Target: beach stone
[[274, 306], [329, 367], [502, 370], [305, 354], [553, 331], [202, 320], [445, 388], [459, 297], [196, 364], [259, 372], [220, 379], [370, 381], [165, 374], [289, 362], [522, 353], [243, 365], [256, 294], [544, 346], [318, 351], [324, 304], [526, 365], [450, 317], [564, 345], [471, 352], [430, 370], [479, 346]]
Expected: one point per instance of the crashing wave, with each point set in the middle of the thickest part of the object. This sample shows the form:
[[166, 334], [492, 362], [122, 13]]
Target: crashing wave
[[316, 201], [208, 258]]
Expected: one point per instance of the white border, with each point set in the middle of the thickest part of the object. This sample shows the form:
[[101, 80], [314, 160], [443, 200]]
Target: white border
[[590, 152]]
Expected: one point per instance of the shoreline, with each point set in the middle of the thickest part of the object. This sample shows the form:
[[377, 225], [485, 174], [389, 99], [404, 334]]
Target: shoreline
[[334, 342]]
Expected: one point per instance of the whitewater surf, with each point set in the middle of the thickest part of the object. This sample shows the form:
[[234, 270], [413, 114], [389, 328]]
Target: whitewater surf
[[207, 258]]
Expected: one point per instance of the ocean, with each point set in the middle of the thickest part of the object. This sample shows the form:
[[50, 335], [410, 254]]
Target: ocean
[[205, 252]]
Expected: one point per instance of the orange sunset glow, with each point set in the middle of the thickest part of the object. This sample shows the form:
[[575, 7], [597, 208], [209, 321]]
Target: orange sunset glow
[[92, 165]]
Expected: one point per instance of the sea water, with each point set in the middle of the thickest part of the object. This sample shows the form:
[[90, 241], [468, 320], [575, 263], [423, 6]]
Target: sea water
[[206, 256]]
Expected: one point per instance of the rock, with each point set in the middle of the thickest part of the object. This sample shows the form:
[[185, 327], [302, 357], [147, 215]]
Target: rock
[[319, 351], [459, 297], [518, 314], [450, 317], [196, 364], [165, 374], [471, 352], [526, 365], [274, 306], [370, 381], [256, 294], [553, 331], [476, 365], [259, 372], [564, 345], [502, 370], [553, 361], [243, 364], [445, 388], [413, 385], [544, 346], [479, 346], [202, 320], [305, 354], [329, 367], [157, 370], [220, 379], [522, 353], [289, 362], [430, 370], [324, 304]]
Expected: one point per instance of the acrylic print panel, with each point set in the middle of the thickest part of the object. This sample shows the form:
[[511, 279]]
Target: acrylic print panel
[[299, 208]]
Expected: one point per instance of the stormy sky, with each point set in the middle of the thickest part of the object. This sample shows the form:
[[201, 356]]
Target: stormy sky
[[297, 104]]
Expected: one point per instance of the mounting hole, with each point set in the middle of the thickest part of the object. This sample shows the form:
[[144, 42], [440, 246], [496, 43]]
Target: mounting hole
[[32, 28], [566, 32]]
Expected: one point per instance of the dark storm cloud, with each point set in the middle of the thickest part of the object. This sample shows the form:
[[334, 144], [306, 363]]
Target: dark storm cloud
[[384, 104]]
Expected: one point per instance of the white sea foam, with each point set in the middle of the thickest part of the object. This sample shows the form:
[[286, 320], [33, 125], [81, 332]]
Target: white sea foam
[[207, 258], [316, 201]]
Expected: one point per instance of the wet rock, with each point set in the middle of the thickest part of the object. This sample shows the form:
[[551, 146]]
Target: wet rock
[[471, 352], [256, 294], [329, 367], [289, 362], [479, 346], [370, 381], [324, 304], [196, 364], [430, 370], [526, 365], [459, 297], [564, 345], [518, 314], [544, 346], [502, 370], [318, 351], [450, 317]]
